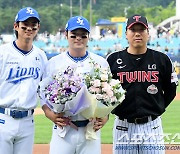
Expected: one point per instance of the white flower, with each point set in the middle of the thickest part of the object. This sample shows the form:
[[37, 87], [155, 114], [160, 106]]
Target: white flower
[[104, 77], [99, 96], [114, 82]]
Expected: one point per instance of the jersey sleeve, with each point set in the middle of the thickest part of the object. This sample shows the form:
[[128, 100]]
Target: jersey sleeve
[[45, 74], [170, 83], [1, 63], [45, 61]]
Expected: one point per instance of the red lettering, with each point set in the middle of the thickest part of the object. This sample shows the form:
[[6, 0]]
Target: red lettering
[[133, 76], [138, 76], [155, 77], [146, 76], [121, 74], [128, 78]]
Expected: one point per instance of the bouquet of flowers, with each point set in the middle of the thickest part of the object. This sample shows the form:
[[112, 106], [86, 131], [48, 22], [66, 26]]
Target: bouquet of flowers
[[64, 92], [106, 94]]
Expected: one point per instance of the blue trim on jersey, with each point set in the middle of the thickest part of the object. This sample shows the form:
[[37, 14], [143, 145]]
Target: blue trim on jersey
[[76, 59], [22, 51]]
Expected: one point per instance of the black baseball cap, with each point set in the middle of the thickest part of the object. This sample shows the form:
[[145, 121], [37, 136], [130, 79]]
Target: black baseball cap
[[136, 19]]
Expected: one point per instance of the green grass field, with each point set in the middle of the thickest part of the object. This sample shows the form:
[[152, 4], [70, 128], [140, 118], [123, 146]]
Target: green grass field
[[171, 124]]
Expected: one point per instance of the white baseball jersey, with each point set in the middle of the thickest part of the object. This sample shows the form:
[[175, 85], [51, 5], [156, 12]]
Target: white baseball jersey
[[20, 75], [74, 141]]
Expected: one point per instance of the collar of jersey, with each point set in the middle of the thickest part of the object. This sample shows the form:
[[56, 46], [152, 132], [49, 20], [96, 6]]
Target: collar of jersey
[[22, 51], [76, 59]]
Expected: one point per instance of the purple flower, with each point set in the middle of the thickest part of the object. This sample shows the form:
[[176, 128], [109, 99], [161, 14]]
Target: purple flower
[[74, 89], [68, 90], [49, 88], [64, 86]]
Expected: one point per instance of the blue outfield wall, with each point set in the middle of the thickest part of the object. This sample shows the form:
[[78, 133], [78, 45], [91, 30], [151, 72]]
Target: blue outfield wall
[[175, 60]]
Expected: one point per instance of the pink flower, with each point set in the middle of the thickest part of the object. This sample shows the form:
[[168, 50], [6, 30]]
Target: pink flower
[[110, 93], [94, 90], [96, 83], [113, 99], [99, 82], [105, 85]]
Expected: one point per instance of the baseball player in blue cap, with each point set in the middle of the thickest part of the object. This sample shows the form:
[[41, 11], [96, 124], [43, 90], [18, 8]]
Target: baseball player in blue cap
[[21, 67], [65, 139]]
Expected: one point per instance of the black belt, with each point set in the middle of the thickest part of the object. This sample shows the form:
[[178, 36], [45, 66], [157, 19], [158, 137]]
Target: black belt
[[16, 113], [142, 120], [82, 123]]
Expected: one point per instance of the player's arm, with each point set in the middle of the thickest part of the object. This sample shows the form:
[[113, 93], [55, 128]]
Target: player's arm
[[170, 85], [57, 118], [169, 94]]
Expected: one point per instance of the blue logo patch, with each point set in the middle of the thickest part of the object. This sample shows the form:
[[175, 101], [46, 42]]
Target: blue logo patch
[[2, 121], [55, 126], [19, 74]]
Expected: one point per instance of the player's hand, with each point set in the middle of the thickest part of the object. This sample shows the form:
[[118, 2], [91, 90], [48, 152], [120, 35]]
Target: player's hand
[[100, 122], [57, 118]]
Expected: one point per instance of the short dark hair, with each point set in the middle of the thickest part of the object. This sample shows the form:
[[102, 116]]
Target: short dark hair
[[16, 32]]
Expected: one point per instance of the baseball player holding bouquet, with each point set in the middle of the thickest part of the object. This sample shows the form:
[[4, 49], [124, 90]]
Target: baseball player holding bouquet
[[65, 139], [150, 80], [21, 67]]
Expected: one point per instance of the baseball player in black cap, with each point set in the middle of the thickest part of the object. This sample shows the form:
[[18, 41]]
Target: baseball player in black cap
[[150, 80]]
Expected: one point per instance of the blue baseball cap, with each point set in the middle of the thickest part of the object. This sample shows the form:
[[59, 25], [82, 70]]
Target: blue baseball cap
[[77, 22], [26, 13]]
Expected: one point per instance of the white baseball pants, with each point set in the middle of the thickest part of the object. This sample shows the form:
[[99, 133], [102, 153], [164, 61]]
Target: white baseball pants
[[16, 135], [74, 142], [130, 138]]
